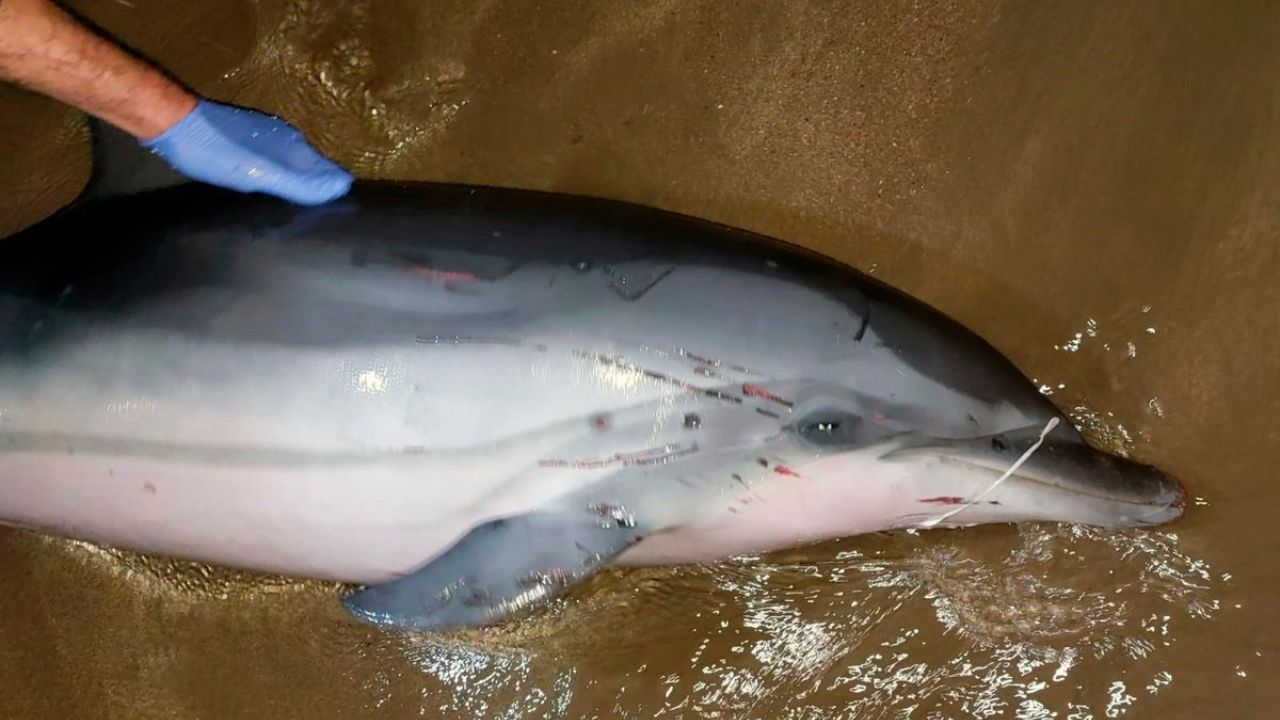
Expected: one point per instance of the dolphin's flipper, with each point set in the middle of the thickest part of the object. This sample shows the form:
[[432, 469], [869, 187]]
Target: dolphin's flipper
[[499, 568]]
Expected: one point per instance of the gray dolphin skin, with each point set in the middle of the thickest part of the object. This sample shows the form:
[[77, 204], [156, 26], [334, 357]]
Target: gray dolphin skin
[[468, 399]]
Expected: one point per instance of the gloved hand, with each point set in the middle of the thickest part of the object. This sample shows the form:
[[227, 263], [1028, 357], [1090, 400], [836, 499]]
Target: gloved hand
[[249, 151]]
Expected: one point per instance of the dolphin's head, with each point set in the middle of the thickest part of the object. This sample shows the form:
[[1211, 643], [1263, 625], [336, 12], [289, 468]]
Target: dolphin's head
[[904, 473], [873, 416], [927, 419], [834, 473]]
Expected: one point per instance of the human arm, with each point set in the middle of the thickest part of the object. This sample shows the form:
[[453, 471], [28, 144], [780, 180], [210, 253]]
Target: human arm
[[45, 49]]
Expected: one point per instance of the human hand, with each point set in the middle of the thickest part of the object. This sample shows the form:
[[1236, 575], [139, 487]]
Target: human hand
[[249, 151]]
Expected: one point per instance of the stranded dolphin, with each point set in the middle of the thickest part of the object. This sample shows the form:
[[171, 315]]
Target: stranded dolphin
[[470, 398]]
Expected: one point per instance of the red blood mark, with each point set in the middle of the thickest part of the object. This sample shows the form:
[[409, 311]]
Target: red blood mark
[[943, 500], [445, 275], [784, 470], [758, 392], [600, 422], [149, 488]]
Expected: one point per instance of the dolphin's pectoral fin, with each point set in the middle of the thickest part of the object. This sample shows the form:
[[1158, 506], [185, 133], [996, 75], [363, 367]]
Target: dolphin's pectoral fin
[[499, 568]]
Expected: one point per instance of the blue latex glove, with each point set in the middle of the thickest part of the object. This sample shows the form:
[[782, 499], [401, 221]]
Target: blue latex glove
[[249, 151]]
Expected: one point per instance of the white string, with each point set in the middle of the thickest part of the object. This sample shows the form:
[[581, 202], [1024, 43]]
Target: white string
[[1053, 422]]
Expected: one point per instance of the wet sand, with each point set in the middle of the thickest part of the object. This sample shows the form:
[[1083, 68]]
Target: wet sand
[[1092, 188]]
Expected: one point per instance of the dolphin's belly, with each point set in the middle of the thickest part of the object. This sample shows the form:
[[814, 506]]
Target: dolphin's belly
[[347, 523]]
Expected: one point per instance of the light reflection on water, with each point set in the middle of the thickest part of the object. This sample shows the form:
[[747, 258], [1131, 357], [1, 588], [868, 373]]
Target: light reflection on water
[[1017, 623]]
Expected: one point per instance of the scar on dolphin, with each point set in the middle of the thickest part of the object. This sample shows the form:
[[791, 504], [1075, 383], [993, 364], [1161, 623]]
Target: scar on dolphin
[[951, 500]]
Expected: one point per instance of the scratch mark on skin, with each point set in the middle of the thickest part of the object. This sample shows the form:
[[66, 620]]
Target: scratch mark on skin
[[453, 276], [713, 362], [634, 284], [768, 413], [655, 375], [649, 456], [477, 340], [952, 500], [149, 488], [758, 392], [458, 288], [752, 494], [784, 470]]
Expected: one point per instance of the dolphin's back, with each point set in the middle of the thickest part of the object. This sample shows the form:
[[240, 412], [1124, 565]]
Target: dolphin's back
[[371, 265]]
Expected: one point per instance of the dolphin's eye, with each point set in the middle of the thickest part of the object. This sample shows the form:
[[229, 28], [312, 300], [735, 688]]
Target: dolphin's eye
[[829, 427]]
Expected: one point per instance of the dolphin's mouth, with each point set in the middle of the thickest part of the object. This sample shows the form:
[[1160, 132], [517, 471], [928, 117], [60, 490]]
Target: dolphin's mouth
[[1060, 479], [1162, 502]]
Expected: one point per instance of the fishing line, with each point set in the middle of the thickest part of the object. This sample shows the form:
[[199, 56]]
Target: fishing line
[[1053, 422]]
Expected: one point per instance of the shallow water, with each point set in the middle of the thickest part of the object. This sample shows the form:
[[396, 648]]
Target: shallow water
[[1091, 188]]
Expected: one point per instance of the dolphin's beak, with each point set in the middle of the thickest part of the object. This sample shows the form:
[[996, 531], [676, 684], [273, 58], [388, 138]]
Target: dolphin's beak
[[1062, 480]]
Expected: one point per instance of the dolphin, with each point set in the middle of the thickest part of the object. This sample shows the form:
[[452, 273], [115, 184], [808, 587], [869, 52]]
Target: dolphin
[[467, 399]]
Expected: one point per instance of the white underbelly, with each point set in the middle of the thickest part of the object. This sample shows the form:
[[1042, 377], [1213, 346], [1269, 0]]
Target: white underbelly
[[347, 523], [830, 498]]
